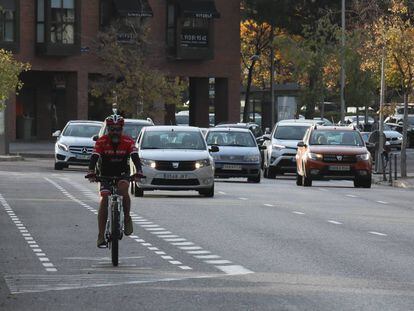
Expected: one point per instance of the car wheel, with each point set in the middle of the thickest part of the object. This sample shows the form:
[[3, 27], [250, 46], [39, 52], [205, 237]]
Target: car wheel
[[59, 166], [138, 192], [271, 173], [254, 179], [207, 192], [299, 180], [307, 181]]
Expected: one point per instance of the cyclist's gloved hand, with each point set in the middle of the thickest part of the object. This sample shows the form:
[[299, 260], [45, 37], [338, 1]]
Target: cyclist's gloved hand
[[91, 176]]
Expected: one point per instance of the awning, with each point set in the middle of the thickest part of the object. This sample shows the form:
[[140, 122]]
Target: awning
[[198, 8], [133, 8]]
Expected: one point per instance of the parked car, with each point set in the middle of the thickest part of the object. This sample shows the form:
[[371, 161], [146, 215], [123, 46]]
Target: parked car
[[239, 155], [333, 153], [174, 158], [397, 124], [183, 118], [132, 127], [253, 127], [74, 145], [279, 156], [359, 118], [393, 137]]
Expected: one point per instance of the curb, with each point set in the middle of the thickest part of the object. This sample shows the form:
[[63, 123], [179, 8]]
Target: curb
[[38, 155], [11, 158]]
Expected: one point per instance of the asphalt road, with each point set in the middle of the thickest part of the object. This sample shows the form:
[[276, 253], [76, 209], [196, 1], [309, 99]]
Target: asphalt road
[[268, 246]]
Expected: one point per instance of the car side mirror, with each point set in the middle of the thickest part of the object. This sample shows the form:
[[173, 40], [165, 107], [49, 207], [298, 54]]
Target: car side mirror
[[95, 137], [369, 145], [214, 148], [56, 134], [401, 123], [301, 144]]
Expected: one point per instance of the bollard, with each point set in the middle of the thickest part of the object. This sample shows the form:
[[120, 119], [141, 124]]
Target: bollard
[[384, 173], [390, 168], [395, 167]]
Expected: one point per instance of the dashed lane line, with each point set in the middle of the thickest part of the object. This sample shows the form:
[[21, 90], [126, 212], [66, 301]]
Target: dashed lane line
[[134, 237], [382, 202], [335, 222], [298, 213], [44, 260], [377, 233]]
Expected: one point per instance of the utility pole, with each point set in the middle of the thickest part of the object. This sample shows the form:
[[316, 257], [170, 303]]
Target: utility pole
[[378, 160], [272, 79], [343, 65]]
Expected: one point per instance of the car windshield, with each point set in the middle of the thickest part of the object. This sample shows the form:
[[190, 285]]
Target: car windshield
[[411, 120], [230, 138], [81, 130], [130, 129], [400, 110], [343, 138], [173, 140], [290, 132]]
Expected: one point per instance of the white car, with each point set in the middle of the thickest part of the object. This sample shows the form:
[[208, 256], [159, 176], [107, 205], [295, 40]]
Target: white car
[[280, 155], [74, 145], [174, 158]]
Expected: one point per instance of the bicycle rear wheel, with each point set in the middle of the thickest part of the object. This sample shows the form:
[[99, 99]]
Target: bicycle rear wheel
[[115, 236]]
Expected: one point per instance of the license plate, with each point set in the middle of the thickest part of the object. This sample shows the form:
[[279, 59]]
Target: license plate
[[83, 157], [340, 168], [175, 176], [232, 167]]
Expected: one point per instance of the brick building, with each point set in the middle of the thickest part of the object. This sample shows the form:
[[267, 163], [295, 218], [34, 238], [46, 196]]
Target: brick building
[[194, 39]]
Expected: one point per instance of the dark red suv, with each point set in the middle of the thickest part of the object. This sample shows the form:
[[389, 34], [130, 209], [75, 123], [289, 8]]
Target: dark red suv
[[329, 152]]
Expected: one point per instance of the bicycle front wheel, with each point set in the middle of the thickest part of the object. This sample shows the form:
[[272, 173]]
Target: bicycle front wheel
[[115, 236]]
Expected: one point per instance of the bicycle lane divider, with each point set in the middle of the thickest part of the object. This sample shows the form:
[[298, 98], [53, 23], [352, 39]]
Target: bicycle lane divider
[[137, 239], [174, 240], [31, 242]]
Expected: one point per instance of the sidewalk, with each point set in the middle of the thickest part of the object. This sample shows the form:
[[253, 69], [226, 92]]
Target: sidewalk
[[407, 183], [38, 149]]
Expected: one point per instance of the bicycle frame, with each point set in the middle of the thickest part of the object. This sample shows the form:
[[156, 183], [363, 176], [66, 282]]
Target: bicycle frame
[[114, 205]]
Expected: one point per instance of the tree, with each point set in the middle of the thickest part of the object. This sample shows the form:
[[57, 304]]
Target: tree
[[255, 39], [10, 70], [128, 72], [395, 34]]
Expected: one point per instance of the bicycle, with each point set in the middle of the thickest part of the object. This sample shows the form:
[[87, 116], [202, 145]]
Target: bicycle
[[114, 229]]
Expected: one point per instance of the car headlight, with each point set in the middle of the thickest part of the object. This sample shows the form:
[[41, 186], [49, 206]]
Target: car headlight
[[202, 163], [150, 163], [62, 147], [278, 147], [363, 157], [400, 138], [251, 158], [315, 156]]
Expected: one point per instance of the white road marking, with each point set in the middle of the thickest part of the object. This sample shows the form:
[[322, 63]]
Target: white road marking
[[154, 229], [150, 226], [243, 199], [217, 262], [182, 243], [161, 232], [321, 189], [153, 248], [160, 253], [351, 196], [198, 252], [382, 202], [175, 240], [187, 248], [221, 192], [186, 268], [27, 236], [167, 257], [175, 262], [168, 236], [234, 270], [269, 205], [335, 222], [377, 233], [298, 213]]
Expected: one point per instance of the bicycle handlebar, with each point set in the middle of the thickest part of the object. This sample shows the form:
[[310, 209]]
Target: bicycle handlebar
[[116, 178]]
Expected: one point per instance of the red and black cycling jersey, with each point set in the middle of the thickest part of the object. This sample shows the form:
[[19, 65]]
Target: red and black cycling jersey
[[114, 158]]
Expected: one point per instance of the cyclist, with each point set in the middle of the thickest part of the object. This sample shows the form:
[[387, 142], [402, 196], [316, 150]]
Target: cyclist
[[112, 151]]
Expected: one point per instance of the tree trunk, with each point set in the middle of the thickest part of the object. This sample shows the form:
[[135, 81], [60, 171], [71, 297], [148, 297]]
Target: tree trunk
[[403, 164], [247, 96]]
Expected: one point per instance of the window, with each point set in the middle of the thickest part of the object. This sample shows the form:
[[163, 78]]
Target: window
[[62, 21], [171, 26], [7, 21]]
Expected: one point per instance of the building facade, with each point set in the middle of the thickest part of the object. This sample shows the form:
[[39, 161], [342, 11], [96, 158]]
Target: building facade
[[193, 39]]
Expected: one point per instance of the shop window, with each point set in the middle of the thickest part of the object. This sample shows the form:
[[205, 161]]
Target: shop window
[[58, 27], [9, 25]]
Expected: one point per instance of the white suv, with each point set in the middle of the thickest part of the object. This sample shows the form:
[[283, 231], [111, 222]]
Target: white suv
[[279, 156]]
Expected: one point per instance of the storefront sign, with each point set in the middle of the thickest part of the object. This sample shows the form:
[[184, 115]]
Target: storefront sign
[[194, 38]]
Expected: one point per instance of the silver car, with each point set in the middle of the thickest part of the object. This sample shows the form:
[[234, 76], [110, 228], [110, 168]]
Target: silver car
[[239, 155], [280, 155], [74, 145], [174, 158]]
